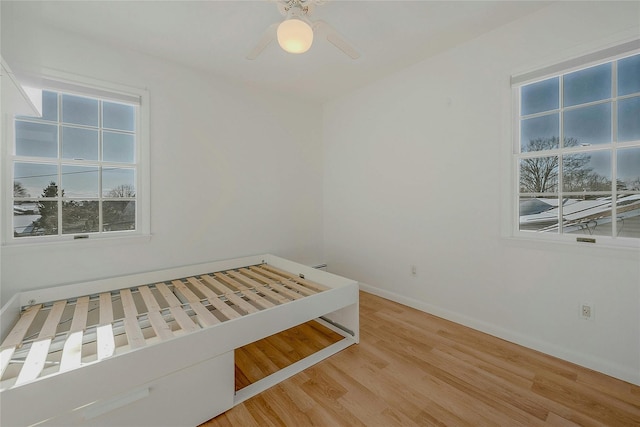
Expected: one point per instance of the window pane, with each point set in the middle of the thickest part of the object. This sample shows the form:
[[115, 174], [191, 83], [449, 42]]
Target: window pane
[[36, 139], [588, 125], [540, 133], [80, 111], [538, 214], [629, 119], [539, 97], [49, 106], [628, 215], [587, 171], [587, 215], [35, 180], [28, 220], [118, 215], [591, 84], [79, 144], [36, 219], [629, 75], [79, 181], [118, 147], [118, 182], [79, 216], [539, 175], [629, 169], [118, 116]]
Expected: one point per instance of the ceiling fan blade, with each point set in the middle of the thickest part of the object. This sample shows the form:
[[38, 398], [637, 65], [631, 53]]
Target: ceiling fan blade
[[268, 36], [336, 39]]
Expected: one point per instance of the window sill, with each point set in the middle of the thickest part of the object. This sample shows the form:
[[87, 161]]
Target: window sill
[[602, 243], [19, 247]]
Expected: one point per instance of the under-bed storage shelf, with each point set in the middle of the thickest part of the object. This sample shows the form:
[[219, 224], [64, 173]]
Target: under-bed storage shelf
[[110, 351]]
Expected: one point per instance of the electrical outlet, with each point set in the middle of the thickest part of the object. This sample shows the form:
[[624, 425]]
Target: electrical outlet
[[587, 311]]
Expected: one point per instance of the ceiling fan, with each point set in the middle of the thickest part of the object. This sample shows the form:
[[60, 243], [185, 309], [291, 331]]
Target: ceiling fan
[[295, 34]]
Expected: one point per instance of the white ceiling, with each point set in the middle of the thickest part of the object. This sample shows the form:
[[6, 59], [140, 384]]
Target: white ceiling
[[217, 35]]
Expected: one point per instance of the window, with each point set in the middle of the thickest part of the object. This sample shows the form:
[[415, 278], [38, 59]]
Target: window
[[78, 171], [577, 154]]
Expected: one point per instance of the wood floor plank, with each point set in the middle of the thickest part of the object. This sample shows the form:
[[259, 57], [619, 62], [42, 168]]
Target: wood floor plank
[[412, 368]]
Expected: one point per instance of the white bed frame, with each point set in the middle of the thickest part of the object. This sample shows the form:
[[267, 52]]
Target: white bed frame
[[180, 381]]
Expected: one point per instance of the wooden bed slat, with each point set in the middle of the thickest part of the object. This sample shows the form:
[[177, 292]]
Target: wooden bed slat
[[106, 344], [148, 298], [80, 313], [229, 294], [39, 350], [217, 286], [201, 287], [245, 291], [213, 299], [34, 362], [5, 358], [308, 283], [131, 325], [160, 327], [273, 284], [204, 315], [242, 304], [15, 337], [284, 281], [183, 319], [72, 351], [175, 306], [106, 309], [169, 296], [259, 286], [50, 326]]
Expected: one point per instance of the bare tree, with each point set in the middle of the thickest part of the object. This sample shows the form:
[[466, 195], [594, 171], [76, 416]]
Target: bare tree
[[19, 190], [123, 190], [540, 174]]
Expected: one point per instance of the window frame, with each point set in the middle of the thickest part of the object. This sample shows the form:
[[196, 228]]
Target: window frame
[[609, 55], [66, 83]]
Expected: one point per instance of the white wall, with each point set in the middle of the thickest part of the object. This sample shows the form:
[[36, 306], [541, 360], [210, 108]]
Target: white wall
[[234, 171], [417, 173]]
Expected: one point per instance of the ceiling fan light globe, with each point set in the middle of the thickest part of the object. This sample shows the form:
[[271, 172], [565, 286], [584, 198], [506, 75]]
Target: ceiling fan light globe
[[295, 36]]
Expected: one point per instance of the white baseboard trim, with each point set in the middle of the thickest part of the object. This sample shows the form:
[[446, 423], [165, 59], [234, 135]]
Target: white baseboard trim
[[621, 372]]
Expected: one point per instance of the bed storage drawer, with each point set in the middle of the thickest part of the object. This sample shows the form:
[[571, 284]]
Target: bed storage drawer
[[194, 392]]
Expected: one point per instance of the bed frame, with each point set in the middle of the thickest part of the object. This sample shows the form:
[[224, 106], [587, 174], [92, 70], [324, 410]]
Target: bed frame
[[157, 348]]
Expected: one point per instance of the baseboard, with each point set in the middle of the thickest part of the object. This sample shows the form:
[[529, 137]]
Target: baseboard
[[594, 363]]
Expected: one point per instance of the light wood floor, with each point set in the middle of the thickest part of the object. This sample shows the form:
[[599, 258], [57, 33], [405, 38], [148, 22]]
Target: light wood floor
[[412, 368]]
